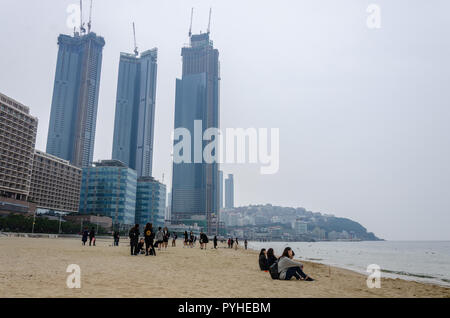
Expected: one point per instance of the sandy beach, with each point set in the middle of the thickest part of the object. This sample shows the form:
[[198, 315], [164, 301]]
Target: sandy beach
[[36, 267]]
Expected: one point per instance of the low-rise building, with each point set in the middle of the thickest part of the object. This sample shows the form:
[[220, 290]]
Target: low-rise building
[[55, 183], [108, 188]]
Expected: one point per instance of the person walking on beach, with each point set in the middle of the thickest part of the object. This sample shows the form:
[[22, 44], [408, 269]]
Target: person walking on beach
[[116, 236], [85, 236], [237, 243], [159, 238], [148, 238], [92, 236], [186, 239], [245, 243], [288, 268], [191, 239], [215, 241], [134, 239], [229, 242], [174, 239], [166, 235]]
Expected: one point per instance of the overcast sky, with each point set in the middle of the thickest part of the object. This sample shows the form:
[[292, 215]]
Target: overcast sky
[[364, 114]]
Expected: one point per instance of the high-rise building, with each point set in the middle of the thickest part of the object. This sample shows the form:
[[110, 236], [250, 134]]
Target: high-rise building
[[55, 183], [229, 192], [17, 139], [150, 202], [108, 188], [220, 189], [73, 117], [135, 111], [195, 186]]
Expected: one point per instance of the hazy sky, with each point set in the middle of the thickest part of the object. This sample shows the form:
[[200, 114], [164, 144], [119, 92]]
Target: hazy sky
[[364, 114]]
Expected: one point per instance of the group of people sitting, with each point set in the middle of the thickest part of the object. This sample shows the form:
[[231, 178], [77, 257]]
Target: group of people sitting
[[283, 267]]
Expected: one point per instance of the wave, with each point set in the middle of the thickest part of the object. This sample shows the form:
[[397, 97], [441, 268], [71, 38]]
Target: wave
[[408, 274]]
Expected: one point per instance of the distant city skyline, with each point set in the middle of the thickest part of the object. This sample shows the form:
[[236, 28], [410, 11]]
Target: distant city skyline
[[363, 114]]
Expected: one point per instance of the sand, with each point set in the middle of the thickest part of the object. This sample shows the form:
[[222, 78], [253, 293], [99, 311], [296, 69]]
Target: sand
[[36, 267]]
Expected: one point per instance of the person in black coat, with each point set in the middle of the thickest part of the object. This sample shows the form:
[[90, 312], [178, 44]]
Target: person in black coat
[[92, 236], [215, 241], [134, 239], [263, 263], [149, 237], [271, 258]]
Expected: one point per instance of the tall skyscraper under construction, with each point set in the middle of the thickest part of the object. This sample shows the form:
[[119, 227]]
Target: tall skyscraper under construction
[[135, 111], [73, 117], [195, 186]]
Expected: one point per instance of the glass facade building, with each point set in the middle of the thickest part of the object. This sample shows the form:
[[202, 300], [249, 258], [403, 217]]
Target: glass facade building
[[73, 116], [150, 202], [195, 186], [108, 188], [229, 192], [135, 111]]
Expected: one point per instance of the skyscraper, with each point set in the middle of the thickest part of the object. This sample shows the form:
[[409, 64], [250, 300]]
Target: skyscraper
[[220, 189], [73, 117], [195, 186], [135, 111], [229, 192]]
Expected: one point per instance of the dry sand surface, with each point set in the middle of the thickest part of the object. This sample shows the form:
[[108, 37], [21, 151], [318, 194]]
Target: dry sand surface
[[36, 267]]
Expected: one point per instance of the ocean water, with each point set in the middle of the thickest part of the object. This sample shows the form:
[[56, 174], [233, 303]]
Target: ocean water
[[419, 261]]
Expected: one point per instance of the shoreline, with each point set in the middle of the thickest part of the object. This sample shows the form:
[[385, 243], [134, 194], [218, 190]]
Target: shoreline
[[36, 267], [385, 273]]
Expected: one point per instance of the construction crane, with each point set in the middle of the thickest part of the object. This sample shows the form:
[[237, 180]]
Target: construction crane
[[136, 51], [192, 16], [90, 19], [82, 29], [209, 22]]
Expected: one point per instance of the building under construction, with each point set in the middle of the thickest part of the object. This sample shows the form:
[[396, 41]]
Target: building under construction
[[73, 117], [195, 186]]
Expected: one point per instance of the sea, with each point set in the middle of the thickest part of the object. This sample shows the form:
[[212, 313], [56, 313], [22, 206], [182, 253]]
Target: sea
[[425, 261]]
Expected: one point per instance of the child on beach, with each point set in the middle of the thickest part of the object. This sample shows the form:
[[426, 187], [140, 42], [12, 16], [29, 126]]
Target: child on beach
[[174, 239], [92, 236], [140, 246], [85, 236]]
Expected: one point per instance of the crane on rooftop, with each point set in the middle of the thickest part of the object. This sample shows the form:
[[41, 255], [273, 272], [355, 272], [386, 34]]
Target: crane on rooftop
[[209, 22], [136, 51], [90, 19], [192, 16]]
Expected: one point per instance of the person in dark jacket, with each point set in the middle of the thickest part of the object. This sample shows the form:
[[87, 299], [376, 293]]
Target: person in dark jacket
[[92, 236], [263, 263], [85, 236], [186, 239], [134, 239], [271, 258], [149, 237], [215, 241], [116, 236]]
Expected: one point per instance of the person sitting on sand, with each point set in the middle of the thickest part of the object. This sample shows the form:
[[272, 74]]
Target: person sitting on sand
[[140, 246], [288, 268], [263, 265], [271, 258]]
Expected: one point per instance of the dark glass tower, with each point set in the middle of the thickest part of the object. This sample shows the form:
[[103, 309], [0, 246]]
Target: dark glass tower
[[73, 117], [135, 111], [195, 186]]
